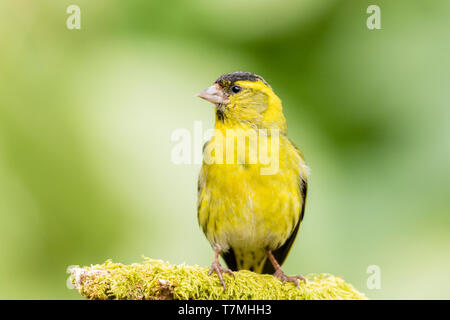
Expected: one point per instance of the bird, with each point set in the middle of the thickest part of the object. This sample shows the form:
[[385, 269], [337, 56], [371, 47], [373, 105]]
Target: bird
[[250, 218]]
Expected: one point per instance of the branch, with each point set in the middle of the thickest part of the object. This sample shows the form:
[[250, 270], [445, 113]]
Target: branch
[[158, 280]]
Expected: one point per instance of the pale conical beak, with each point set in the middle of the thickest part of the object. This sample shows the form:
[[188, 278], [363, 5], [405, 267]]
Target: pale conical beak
[[214, 94]]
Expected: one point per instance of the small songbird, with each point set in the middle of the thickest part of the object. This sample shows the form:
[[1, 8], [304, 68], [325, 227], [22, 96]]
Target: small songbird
[[249, 216]]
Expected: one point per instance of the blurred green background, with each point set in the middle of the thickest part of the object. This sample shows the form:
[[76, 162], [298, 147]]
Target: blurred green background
[[86, 118]]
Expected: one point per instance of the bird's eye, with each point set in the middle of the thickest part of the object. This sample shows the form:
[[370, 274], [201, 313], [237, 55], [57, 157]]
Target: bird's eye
[[236, 88]]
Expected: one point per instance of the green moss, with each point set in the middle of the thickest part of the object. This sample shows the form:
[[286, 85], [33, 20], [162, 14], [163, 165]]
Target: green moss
[[155, 279]]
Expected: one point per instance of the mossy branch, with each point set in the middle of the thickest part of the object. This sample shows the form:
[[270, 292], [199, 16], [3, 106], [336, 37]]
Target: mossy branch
[[155, 279]]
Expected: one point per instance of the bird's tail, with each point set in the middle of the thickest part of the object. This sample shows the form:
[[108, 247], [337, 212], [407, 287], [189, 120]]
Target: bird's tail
[[246, 259]]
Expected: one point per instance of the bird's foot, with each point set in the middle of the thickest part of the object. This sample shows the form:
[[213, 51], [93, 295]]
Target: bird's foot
[[217, 268], [284, 278]]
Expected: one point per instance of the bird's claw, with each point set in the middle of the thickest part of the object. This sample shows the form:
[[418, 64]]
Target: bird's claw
[[284, 278], [217, 268]]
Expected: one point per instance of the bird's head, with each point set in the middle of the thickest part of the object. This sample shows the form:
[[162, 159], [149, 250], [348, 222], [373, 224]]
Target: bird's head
[[245, 98]]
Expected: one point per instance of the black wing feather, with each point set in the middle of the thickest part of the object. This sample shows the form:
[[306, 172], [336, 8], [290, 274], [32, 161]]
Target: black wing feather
[[281, 253]]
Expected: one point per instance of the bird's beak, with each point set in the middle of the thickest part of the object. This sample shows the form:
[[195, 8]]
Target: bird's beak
[[214, 94]]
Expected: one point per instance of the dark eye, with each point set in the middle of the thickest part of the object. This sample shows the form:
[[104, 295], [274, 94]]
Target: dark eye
[[236, 88]]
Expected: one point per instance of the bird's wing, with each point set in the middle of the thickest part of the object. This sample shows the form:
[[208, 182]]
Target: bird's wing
[[281, 253]]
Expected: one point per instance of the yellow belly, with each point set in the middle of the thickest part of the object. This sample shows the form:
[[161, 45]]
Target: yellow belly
[[249, 212]]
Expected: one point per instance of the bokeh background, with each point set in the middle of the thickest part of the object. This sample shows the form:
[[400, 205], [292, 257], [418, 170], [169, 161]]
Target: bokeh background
[[86, 118]]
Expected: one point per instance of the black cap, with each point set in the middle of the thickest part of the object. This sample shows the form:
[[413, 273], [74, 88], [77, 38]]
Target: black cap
[[230, 78]]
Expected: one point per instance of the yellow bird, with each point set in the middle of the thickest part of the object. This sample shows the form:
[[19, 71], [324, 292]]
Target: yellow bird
[[250, 206]]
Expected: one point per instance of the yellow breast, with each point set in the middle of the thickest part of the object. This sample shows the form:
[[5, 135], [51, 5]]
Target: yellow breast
[[240, 207]]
